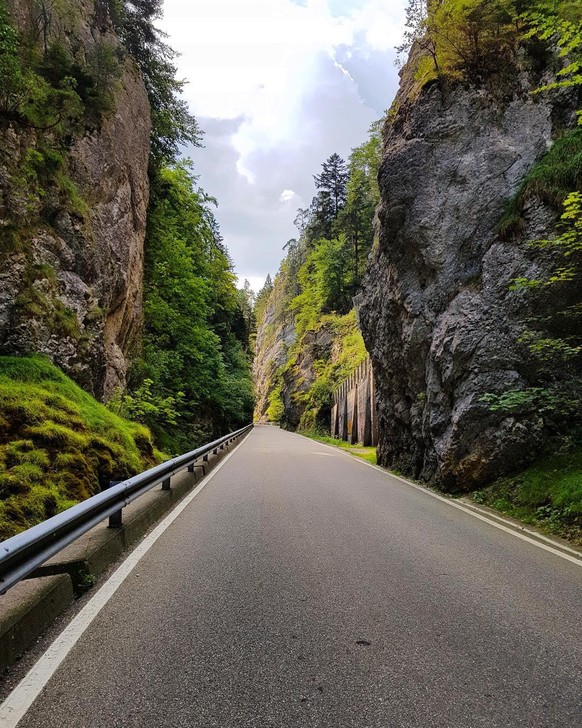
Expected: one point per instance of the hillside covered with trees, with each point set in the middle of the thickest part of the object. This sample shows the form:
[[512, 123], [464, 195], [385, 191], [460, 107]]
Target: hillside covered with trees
[[112, 264], [308, 339]]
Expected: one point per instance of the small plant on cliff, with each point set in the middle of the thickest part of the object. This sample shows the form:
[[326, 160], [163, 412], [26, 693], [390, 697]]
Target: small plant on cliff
[[562, 27]]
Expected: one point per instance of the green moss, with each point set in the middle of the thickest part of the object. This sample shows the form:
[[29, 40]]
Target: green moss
[[348, 351], [44, 271], [552, 179], [50, 433], [58, 445], [547, 495], [276, 408]]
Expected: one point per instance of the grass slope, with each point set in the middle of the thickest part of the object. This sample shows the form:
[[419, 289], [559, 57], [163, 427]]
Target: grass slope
[[58, 445], [547, 495], [366, 453]]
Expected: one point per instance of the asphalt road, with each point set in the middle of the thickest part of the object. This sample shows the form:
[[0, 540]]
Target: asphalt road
[[303, 588]]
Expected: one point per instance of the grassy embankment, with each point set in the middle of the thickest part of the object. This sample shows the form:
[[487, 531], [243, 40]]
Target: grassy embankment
[[58, 445], [366, 453], [547, 495]]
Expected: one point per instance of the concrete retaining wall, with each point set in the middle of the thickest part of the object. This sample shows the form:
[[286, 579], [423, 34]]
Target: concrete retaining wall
[[353, 413]]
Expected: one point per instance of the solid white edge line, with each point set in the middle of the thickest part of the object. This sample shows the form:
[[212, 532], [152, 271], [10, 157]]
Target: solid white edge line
[[510, 528], [520, 527], [18, 702]]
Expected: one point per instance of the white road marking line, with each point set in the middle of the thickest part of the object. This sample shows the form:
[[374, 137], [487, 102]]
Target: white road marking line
[[520, 527], [509, 528], [16, 705]]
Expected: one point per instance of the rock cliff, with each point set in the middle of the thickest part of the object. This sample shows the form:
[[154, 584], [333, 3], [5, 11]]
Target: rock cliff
[[275, 334], [437, 313], [73, 216], [297, 368]]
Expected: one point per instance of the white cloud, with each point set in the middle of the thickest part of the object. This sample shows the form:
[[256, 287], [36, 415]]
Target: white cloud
[[288, 196], [278, 85], [256, 282]]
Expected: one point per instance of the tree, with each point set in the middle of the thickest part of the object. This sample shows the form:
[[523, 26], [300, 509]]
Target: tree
[[415, 25], [172, 123], [194, 332], [331, 183], [247, 299], [362, 197]]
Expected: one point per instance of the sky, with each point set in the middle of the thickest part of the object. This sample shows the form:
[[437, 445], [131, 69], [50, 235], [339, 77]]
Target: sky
[[278, 86]]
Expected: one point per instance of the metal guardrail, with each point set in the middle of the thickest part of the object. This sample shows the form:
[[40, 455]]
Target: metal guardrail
[[23, 553]]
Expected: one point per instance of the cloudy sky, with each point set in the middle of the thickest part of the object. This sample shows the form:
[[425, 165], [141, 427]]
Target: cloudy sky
[[278, 86]]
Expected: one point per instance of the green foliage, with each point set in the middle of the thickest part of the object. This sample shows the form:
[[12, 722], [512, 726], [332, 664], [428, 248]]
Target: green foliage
[[58, 445], [532, 399], [563, 27], [553, 341], [476, 41], [547, 495], [468, 40], [53, 91], [324, 283], [193, 379], [262, 298], [144, 406], [42, 84], [276, 409], [553, 179]]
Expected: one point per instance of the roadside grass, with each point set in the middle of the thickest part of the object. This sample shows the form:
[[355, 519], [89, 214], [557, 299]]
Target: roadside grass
[[58, 445], [547, 495], [366, 453]]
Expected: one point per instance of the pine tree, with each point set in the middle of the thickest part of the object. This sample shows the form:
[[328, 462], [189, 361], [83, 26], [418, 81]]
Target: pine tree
[[331, 183]]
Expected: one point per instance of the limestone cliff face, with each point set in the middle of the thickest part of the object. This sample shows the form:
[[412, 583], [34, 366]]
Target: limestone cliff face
[[437, 315], [72, 253], [297, 367], [275, 334]]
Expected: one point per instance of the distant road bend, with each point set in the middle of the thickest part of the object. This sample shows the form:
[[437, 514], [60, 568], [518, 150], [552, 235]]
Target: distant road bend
[[301, 587]]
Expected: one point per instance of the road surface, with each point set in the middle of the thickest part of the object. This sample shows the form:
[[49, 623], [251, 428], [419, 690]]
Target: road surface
[[301, 587]]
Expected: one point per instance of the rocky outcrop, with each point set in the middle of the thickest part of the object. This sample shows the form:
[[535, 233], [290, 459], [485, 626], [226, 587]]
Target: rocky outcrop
[[437, 313], [275, 334], [296, 371], [72, 245]]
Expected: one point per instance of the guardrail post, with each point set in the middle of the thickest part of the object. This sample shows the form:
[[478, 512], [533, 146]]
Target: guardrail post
[[166, 484], [115, 519]]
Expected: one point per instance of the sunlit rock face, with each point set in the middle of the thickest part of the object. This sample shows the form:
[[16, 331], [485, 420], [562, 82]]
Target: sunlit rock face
[[437, 313], [71, 262]]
